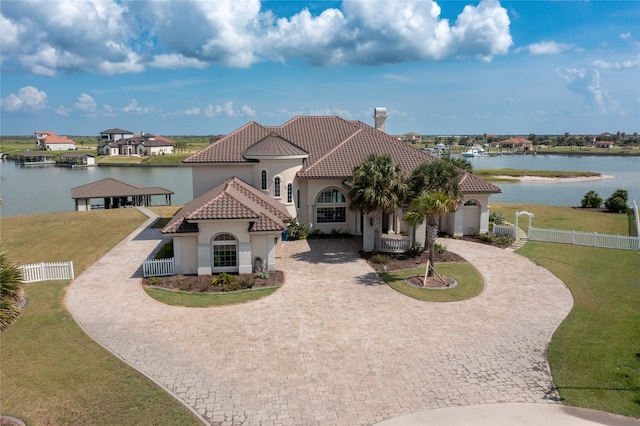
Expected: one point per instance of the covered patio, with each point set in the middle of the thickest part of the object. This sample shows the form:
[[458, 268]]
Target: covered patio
[[115, 193]]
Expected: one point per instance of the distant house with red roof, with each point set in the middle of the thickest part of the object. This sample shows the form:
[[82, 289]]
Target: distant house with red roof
[[251, 183], [517, 143], [49, 141]]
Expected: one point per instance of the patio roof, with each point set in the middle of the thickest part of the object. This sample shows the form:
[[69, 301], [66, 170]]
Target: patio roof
[[110, 187]]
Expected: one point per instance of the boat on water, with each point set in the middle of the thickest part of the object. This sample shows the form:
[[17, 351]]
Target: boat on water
[[476, 151]]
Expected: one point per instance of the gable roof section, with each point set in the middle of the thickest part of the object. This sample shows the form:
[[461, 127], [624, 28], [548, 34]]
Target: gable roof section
[[233, 199], [116, 131], [110, 187], [334, 147]]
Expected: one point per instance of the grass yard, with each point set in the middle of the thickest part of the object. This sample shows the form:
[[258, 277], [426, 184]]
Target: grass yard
[[53, 373], [205, 300], [565, 218], [595, 353], [470, 283]]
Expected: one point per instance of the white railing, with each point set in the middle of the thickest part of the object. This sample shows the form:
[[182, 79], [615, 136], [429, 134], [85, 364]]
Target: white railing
[[46, 271], [157, 267], [505, 230], [592, 239], [637, 216], [394, 244]]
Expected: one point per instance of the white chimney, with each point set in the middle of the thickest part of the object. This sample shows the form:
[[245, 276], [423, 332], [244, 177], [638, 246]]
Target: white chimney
[[380, 116]]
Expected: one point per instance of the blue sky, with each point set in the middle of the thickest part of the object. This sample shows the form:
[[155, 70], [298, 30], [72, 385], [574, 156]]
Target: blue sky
[[209, 67]]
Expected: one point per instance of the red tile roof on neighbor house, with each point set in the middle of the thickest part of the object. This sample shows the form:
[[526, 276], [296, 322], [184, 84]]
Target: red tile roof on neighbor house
[[51, 137], [233, 199], [334, 147]]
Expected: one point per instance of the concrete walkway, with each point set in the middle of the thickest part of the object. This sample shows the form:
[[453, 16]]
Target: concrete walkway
[[334, 346]]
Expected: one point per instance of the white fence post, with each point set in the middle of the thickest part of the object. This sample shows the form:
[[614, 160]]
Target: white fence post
[[592, 239], [158, 267]]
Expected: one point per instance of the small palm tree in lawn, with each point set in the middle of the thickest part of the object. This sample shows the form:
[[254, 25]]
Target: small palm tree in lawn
[[378, 186], [10, 291], [435, 189]]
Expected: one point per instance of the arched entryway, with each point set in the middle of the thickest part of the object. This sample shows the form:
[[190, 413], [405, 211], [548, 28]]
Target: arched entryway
[[471, 218]]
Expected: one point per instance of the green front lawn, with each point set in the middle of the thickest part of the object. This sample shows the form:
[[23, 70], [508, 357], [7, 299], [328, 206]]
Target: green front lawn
[[470, 283], [204, 300], [595, 353]]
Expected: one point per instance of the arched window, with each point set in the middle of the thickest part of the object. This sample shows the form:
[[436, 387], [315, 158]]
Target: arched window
[[331, 207], [225, 253], [289, 193], [276, 186], [264, 182], [471, 203]]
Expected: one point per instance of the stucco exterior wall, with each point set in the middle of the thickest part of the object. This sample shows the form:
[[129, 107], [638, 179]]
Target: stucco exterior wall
[[208, 177]]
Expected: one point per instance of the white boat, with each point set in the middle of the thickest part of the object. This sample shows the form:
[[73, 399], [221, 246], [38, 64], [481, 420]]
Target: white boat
[[475, 152]]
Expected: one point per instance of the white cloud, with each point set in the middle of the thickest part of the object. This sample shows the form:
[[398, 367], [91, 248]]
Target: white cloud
[[625, 36], [548, 48], [28, 98], [601, 98], [114, 37], [630, 63], [228, 110], [44, 37], [176, 61], [62, 110], [137, 109], [192, 111], [86, 103]]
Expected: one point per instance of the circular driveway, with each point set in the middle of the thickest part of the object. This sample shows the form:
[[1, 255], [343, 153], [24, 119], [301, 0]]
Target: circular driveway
[[334, 345]]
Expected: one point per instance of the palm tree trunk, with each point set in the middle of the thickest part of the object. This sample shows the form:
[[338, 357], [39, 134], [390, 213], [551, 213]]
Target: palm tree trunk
[[433, 227]]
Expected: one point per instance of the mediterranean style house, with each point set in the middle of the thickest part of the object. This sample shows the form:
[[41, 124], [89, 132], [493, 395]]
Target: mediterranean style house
[[251, 183], [124, 142], [49, 141]]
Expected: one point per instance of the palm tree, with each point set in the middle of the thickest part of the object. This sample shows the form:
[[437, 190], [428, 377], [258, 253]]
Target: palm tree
[[435, 189], [378, 186], [10, 291]]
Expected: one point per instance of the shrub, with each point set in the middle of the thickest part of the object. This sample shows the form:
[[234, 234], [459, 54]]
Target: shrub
[[297, 230], [499, 240], [617, 203], [415, 250], [245, 282], [221, 280], [380, 259], [263, 275], [439, 248], [156, 281], [591, 200], [10, 291], [496, 217]]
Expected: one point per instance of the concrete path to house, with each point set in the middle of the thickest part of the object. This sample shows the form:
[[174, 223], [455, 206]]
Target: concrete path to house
[[334, 345]]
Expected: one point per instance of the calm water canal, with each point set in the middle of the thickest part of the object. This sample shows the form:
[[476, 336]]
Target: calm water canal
[[48, 189]]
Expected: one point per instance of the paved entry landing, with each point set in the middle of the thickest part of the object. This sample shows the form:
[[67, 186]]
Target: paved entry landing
[[334, 345]]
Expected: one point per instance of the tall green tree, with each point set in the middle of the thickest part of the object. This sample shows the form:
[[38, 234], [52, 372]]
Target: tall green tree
[[378, 186], [10, 291], [435, 190]]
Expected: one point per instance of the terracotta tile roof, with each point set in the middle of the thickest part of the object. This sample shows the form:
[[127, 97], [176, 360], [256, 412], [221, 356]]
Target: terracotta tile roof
[[334, 146], [110, 187], [233, 199], [274, 145], [471, 184]]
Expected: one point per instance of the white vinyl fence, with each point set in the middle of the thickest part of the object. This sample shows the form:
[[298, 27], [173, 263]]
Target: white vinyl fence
[[157, 267], [47, 271], [592, 239], [637, 217], [505, 230]]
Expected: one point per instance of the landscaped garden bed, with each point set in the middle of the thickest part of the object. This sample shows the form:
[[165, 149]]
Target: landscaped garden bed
[[214, 284]]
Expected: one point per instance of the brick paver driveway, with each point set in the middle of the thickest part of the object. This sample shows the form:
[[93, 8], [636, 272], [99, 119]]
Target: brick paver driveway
[[334, 345]]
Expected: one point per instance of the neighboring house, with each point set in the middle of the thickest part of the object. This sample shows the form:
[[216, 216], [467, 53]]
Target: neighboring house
[[411, 137], [301, 168], [145, 144], [49, 141], [517, 143], [604, 144]]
